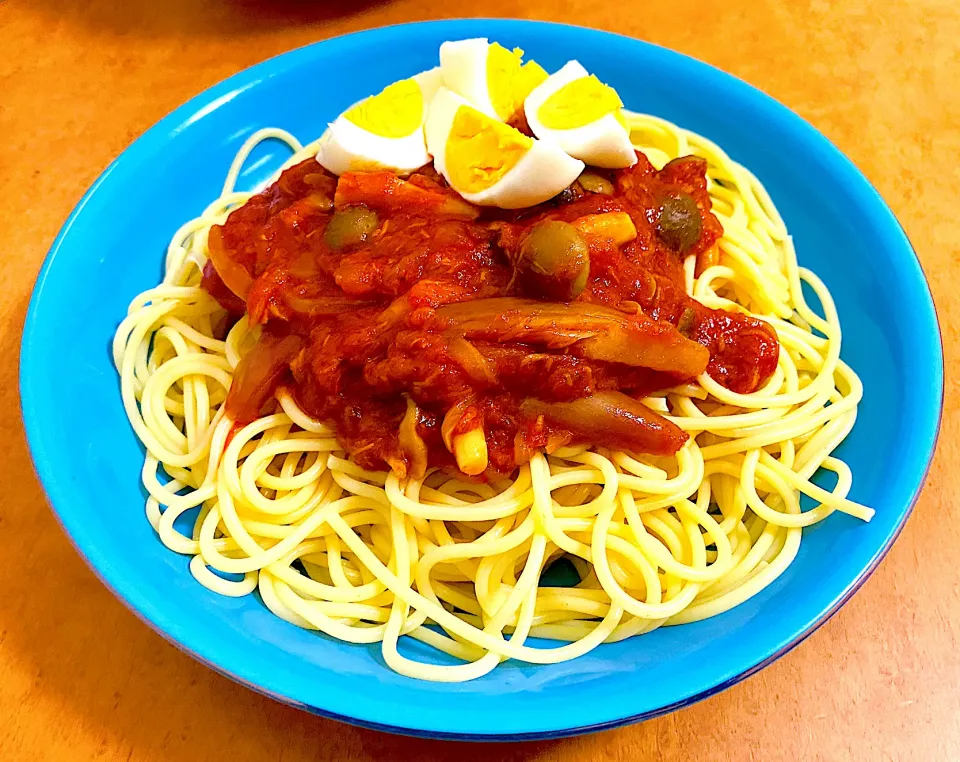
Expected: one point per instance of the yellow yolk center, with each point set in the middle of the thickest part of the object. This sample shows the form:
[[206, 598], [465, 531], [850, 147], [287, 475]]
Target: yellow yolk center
[[481, 150], [509, 80], [394, 113], [577, 103]]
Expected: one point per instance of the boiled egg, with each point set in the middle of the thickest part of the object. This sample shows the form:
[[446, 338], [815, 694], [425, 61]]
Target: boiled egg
[[490, 163], [580, 114], [385, 131], [493, 80]]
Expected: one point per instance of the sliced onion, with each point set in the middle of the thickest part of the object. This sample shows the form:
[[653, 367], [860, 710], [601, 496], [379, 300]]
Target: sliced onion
[[614, 420], [258, 375], [411, 443], [232, 274], [474, 364], [601, 333]]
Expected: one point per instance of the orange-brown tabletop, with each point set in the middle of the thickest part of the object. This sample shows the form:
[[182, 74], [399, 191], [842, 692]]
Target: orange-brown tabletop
[[82, 678]]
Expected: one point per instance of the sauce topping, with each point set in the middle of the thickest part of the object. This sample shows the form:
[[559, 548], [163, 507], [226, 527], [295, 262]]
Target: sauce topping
[[430, 332]]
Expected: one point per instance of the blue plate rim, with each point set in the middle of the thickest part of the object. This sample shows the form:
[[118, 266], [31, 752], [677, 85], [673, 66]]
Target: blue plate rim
[[225, 90]]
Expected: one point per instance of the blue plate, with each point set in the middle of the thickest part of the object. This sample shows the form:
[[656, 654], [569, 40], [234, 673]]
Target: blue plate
[[112, 246]]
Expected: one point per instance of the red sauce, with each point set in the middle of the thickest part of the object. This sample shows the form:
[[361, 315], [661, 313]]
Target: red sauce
[[354, 333]]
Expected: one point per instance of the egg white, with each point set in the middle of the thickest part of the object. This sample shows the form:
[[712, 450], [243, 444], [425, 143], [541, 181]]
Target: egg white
[[541, 173], [430, 82], [601, 143], [347, 146], [464, 67]]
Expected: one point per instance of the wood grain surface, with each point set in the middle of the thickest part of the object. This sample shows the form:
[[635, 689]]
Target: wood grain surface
[[81, 678]]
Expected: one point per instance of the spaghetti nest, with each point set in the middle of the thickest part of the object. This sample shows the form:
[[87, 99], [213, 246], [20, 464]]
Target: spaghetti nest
[[367, 558]]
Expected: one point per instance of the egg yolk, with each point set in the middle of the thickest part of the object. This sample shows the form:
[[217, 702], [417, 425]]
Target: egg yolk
[[481, 150], [395, 112], [577, 103], [510, 81]]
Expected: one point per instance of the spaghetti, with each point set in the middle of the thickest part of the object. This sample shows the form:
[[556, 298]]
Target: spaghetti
[[368, 557]]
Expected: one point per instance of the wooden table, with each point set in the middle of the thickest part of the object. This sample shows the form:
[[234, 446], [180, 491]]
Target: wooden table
[[81, 678]]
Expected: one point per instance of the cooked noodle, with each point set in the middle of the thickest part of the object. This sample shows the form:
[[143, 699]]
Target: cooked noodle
[[367, 558]]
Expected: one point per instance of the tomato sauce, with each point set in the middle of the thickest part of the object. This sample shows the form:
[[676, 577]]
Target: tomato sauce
[[420, 309]]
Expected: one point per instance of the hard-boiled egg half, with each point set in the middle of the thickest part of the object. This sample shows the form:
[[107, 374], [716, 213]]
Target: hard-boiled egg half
[[490, 163], [581, 115], [491, 78], [385, 131]]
